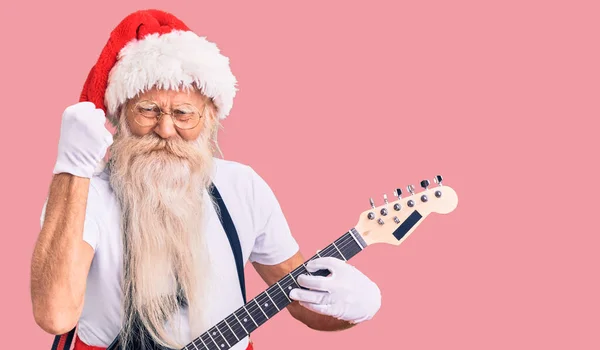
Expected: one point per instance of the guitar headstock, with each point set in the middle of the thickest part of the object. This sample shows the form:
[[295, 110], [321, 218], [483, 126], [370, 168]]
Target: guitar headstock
[[394, 221]]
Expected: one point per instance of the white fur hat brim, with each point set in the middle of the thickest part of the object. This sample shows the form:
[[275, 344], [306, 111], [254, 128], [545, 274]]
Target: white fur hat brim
[[171, 61]]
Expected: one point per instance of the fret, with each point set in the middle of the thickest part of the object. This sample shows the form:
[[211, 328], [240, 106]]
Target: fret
[[314, 257], [308, 272], [332, 251], [287, 283], [297, 272], [338, 249], [278, 296], [229, 324], [212, 340], [344, 247], [267, 306], [205, 345], [240, 322], [327, 252], [295, 284], [300, 270], [208, 342], [236, 326], [257, 313], [193, 344], [260, 307], [249, 324], [354, 235], [216, 338], [353, 244], [226, 333], [272, 301], [358, 236], [283, 291]]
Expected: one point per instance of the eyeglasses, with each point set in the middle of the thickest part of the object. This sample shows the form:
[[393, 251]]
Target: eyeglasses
[[185, 116]]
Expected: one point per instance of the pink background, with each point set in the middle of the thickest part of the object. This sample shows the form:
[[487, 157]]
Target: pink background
[[340, 102]]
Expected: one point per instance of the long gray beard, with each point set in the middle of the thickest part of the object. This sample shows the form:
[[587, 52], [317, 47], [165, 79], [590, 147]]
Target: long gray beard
[[160, 186]]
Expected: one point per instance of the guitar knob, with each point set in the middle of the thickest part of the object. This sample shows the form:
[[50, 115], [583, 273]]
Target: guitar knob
[[425, 184], [371, 216], [438, 179]]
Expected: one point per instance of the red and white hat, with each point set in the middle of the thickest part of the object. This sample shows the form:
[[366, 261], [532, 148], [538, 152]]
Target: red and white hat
[[153, 48]]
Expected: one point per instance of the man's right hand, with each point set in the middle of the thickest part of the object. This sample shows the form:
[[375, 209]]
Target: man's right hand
[[83, 141]]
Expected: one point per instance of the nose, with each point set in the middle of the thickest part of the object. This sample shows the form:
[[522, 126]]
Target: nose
[[165, 127]]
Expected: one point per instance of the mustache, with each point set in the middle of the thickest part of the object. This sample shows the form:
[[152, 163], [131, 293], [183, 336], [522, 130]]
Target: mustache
[[151, 146], [152, 157], [151, 143]]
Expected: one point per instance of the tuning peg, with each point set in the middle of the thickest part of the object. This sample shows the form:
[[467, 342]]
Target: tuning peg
[[425, 184], [438, 179], [385, 198], [398, 193], [372, 203], [411, 189]]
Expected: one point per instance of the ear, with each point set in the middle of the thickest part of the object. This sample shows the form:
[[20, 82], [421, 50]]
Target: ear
[[210, 111], [121, 118]]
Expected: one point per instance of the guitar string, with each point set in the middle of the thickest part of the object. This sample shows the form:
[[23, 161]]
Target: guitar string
[[278, 298], [344, 242], [341, 243]]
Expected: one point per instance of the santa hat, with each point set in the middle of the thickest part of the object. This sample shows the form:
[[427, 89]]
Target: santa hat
[[153, 48]]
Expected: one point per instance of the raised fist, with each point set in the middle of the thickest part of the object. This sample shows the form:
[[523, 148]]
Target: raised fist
[[83, 141]]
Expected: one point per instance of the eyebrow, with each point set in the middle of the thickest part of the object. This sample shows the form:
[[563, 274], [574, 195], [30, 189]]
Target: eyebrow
[[163, 105]]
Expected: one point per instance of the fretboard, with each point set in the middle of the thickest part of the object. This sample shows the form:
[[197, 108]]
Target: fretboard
[[246, 319]]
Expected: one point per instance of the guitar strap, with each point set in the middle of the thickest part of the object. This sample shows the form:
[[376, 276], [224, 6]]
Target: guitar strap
[[63, 341]]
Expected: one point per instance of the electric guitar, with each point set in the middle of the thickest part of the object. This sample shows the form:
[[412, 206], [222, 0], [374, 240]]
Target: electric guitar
[[390, 223]]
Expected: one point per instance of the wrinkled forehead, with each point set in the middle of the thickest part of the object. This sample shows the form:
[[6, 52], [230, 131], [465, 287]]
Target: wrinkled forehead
[[171, 97]]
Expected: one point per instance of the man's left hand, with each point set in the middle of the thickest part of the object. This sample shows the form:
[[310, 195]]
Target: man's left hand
[[347, 294]]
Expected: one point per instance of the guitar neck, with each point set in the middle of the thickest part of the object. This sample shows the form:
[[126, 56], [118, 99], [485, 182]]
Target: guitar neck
[[246, 319]]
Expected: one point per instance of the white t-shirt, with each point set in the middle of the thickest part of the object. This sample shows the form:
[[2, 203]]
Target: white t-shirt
[[263, 231]]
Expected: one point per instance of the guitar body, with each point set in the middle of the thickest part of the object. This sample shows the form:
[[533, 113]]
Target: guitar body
[[390, 223]]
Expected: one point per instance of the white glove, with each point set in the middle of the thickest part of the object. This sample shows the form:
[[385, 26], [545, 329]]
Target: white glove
[[83, 141], [346, 294]]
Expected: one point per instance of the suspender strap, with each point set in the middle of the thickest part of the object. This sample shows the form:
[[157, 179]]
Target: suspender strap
[[232, 236], [63, 341]]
